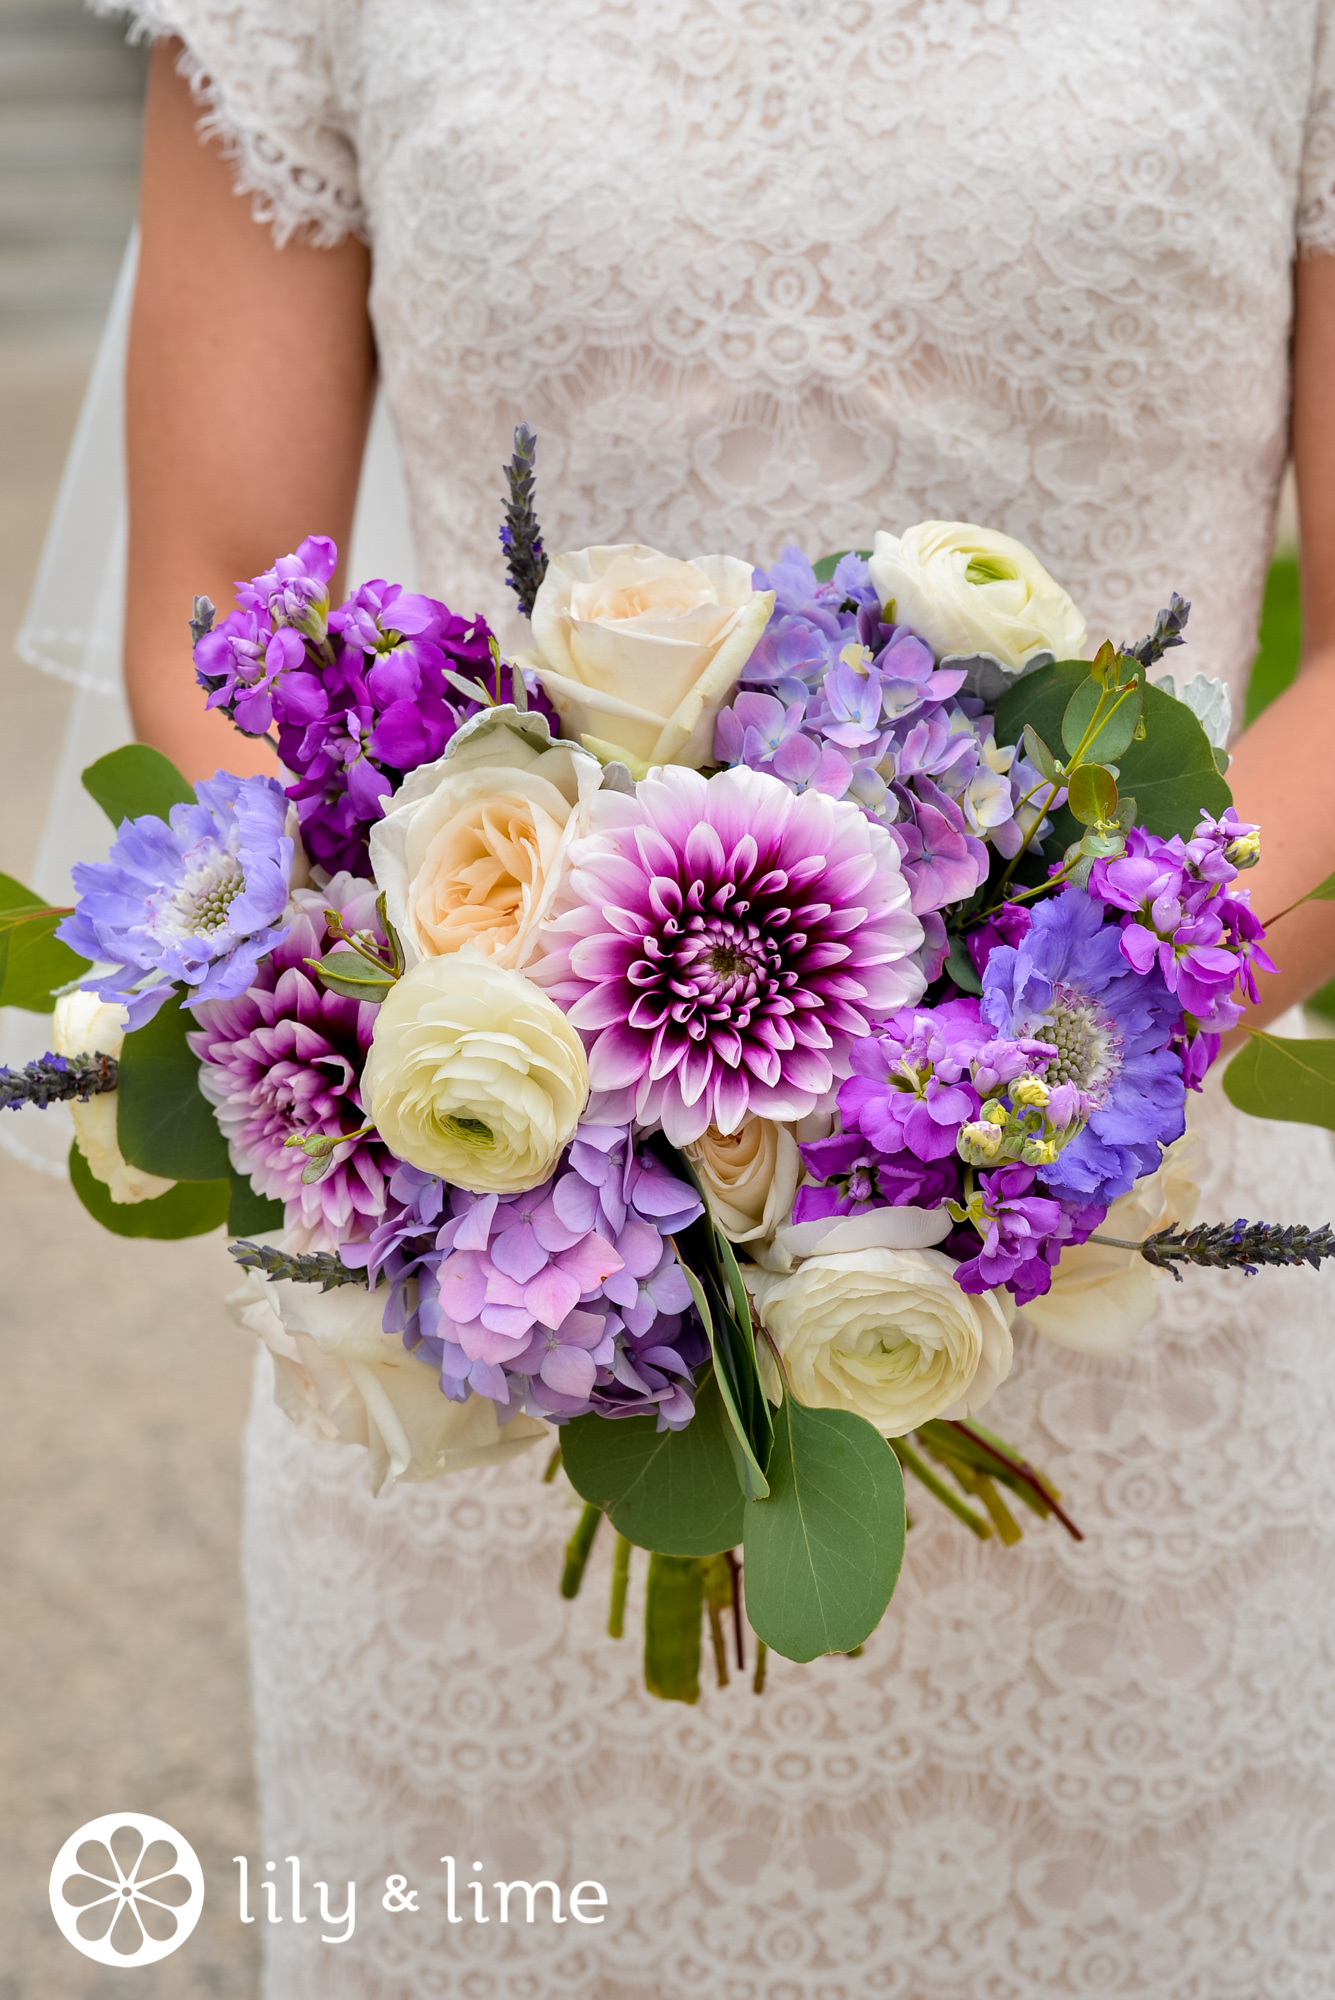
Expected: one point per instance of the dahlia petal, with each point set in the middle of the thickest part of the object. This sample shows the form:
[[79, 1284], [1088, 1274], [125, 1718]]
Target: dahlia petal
[[618, 1058]]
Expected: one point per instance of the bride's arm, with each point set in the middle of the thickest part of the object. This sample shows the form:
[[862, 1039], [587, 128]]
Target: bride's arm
[[249, 387], [1283, 772]]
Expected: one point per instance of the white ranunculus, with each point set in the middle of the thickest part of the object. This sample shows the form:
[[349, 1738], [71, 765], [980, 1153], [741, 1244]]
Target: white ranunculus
[[970, 591], [1209, 700], [638, 651], [887, 1334], [472, 847], [1100, 1297], [749, 1176], [474, 1075], [342, 1380], [83, 1025]]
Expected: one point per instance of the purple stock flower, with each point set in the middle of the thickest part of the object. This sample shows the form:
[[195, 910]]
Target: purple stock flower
[[1068, 985], [912, 1087], [849, 1177], [197, 898], [295, 591], [1022, 1233], [722, 944], [284, 1060]]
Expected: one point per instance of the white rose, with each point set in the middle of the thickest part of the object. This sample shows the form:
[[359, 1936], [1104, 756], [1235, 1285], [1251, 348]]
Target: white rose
[[1101, 1297], [472, 847], [342, 1380], [474, 1075], [749, 1176], [83, 1025], [887, 1334], [638, 651], [970, 591]]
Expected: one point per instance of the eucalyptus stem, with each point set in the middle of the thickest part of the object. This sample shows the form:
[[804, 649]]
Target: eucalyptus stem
[[758, 1678], [938, 1488], [577, 1550], [616, 1611]]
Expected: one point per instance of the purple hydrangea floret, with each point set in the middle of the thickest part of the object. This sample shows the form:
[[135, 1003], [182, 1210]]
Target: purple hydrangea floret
[[196, 899]]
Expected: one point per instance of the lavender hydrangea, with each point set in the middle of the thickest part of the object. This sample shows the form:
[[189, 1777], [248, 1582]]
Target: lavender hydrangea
[[195, 899], [283, 1061], [562, 1300]]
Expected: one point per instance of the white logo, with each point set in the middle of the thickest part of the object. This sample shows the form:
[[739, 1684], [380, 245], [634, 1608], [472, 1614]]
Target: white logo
[[127, 1889]]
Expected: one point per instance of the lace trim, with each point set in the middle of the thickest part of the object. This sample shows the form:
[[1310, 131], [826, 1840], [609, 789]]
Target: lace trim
[[298, 167]]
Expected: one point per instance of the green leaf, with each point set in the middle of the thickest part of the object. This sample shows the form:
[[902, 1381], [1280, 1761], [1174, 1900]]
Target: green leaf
[[1324, 892], [1171, 773], [822, 1554], [1092, 794], [827, 565], [673, 1606], [191, 1209], [1039, 755], [33, 962], [348, 973], [135, 780], [1121, 713], [673, 1491], [163, 1123], [732, 1392], [1221, 759], [961, 967], [1293, 1081], [248, 1213]]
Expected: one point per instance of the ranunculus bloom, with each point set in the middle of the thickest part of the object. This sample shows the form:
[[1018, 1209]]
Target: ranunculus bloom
[[887, 1334], [749, 1176], [1101, 1297], [638, 651], [341, 1379], [474, 1075], [83, 1025], [471, 848], [968, 590]]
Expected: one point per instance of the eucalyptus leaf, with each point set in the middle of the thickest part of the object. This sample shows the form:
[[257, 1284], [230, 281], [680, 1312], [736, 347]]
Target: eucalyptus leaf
[[1116, 731], [673, 1491], [822, 1554], [191, 1209], [250, 1214], [1324, 892], [135, 780], [34, 964], [1292, 1081], [163, 1122], [1091, 794], [1171, 772], [1039, 755], [348, 973]]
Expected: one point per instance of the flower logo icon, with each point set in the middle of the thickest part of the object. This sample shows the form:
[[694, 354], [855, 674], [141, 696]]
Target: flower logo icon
[[127, 1889]]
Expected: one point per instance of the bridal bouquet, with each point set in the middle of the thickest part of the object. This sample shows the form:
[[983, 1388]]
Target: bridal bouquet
[[694, 1039]]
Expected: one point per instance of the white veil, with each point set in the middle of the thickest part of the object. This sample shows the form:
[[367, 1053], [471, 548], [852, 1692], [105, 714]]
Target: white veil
[[72, 628]]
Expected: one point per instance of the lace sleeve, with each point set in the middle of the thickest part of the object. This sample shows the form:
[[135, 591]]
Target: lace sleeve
[[1316, 185], [265, 72]]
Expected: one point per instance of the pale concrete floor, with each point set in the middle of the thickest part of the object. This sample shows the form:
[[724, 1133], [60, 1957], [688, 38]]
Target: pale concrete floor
[[122, 1636]]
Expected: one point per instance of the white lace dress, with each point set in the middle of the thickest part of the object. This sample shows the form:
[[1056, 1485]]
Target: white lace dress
[[756, 269]]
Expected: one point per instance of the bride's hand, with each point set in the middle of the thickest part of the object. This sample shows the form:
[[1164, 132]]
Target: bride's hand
[[248, 392]]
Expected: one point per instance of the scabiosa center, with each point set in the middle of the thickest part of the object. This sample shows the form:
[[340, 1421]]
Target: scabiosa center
[[1086, 1038]]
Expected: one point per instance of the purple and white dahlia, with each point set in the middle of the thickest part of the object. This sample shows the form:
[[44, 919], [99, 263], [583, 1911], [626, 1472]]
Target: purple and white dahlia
[[284, 1060], [196, 898], [722, 943]]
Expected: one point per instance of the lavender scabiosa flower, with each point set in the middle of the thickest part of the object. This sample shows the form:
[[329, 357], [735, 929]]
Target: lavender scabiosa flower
[[722, 944], [1067, 984], [283, 1060], [195, 899]]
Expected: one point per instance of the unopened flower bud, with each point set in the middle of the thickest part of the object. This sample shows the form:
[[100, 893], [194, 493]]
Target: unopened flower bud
[[979, 1143], [1030, 1089], [1245, 851], [995, 1112], [1039, 1152]]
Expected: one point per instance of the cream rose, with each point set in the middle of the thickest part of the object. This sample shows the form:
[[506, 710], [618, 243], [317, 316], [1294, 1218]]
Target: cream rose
[[749, 1176], [474, 1075], [83, 1025], [1100, 1297], [342, 1380], [970, 591], [887, 1334], [472, 847], [638, 651]]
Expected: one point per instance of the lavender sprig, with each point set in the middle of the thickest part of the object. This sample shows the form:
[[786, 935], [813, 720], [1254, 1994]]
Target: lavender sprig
[[521, 538], [1167, 633], [314, 1267], [1231, 1246], [55, 1079]]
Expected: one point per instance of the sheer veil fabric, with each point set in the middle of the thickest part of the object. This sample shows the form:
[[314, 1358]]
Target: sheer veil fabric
[[753, 269]]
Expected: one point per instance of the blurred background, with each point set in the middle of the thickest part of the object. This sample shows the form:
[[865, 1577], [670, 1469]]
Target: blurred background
[[122, 1667], [122, 1661]]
